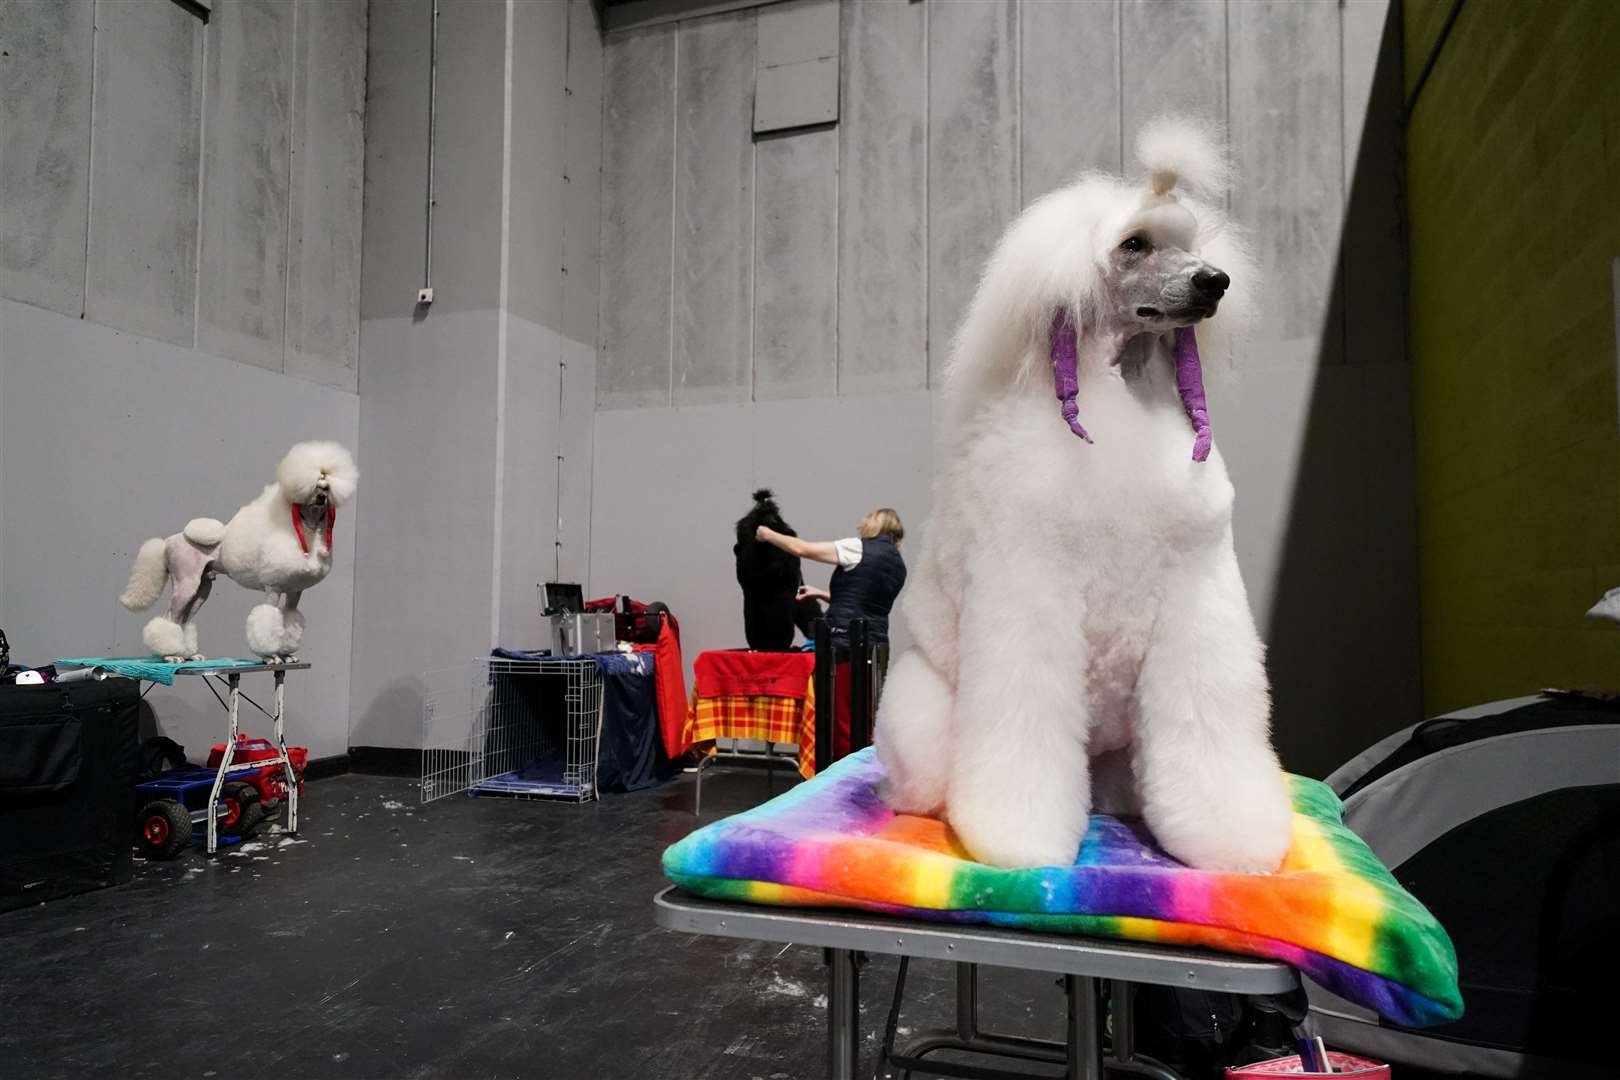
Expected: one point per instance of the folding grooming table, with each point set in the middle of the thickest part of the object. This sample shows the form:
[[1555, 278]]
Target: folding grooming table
[[230, 674], [1083, 962], [232, 677]]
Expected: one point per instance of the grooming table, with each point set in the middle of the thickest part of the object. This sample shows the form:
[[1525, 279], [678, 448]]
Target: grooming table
[[1083, 962], [759, 696], [734, 704], [229, 673], [1124, 911]]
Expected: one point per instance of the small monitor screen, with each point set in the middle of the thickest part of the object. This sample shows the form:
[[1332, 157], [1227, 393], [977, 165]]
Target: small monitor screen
[[560, 598]]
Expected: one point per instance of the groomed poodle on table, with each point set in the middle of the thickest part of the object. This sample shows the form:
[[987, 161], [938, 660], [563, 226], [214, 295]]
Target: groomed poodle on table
[[281, 542], [1082, 635]]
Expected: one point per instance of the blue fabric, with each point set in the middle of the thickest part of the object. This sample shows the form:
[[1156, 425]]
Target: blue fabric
[[630, 754], [154, 670]]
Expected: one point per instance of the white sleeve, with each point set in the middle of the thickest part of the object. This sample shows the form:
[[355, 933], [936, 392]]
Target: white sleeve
[[849, 551]]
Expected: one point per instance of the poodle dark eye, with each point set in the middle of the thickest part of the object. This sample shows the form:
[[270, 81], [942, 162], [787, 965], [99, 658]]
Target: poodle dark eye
[[1134, 244]]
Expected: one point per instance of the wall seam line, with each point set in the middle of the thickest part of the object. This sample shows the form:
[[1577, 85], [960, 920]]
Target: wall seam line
[[928, 210], [89, 165], [202, 180], [674, 193], [292, 145], [501, 333]]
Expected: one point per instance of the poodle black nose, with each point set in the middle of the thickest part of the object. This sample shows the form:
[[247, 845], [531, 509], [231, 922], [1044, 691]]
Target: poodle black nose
[[1211, 282]]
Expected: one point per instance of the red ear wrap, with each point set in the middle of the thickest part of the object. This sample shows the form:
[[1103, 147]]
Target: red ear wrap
[[298, 526]]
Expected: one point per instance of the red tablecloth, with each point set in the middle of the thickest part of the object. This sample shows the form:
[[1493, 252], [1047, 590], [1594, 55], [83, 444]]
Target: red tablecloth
[[745, 673]]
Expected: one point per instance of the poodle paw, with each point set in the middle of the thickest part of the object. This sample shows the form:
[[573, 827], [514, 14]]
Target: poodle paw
[[265, 630], [1245, 829], [1015, 833], [292, 633], [904, 799], [166, 638], [1014, 850]]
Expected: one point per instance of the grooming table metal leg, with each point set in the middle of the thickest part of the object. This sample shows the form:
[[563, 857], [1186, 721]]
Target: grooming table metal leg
[[967, 1037], [1124, 1058], [1085, 1041], [843, 1014], [967, 1002], [286, 762], [235, 682]]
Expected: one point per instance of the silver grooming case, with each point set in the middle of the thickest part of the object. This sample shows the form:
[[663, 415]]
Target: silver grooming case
[[579, 634]]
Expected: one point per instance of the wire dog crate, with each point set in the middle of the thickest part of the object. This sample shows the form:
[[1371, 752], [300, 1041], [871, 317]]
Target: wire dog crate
[[513, 728]]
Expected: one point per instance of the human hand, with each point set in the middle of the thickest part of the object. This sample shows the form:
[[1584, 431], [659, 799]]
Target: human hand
[[764, 532]]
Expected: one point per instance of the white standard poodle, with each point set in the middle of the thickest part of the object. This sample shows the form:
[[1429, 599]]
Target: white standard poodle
[[281, 542], [1082, 635]]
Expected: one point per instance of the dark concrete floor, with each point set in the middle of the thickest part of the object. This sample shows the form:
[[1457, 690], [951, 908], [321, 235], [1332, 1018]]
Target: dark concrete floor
[[471, 938]]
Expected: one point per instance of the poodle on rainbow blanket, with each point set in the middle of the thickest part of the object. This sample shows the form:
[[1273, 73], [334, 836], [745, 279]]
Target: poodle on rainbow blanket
[[1082, 637]]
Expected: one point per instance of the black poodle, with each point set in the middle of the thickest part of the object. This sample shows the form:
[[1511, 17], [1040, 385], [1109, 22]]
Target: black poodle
[[770, 578]]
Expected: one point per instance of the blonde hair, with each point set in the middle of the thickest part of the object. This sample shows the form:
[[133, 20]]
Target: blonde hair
[[883, 521]]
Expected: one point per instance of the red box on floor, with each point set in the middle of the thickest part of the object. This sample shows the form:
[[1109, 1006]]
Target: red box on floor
[[269, 781], [1343, 1065]]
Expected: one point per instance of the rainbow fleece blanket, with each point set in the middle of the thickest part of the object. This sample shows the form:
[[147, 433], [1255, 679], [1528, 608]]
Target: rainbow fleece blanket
[[1332, 910]]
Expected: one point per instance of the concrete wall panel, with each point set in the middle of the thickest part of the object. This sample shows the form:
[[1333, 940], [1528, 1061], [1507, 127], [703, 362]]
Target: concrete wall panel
[[1172, 59], [142, 274], [638, 158], [582, 168], [1290, 188], [714, 193], [1070, 93], [396, 146], [796, 267], [327, 178], [973, 163], [883, 200], [247, 128], [539, 109], [45, 161]]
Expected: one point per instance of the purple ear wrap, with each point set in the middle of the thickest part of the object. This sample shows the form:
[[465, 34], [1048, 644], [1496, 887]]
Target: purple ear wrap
[[1065, 354], [1189, 380]]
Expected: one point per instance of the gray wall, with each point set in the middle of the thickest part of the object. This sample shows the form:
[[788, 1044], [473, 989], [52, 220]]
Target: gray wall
[[829, 268], [179, 266], [472, 401]]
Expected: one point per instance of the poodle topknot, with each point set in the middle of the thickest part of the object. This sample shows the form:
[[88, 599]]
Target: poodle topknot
[[308, 463]]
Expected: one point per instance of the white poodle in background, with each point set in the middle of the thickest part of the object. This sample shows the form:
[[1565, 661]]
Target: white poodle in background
[[1082, 635], [280, 542]]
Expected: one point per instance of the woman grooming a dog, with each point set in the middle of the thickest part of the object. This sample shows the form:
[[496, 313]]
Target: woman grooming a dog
[[868, 577]]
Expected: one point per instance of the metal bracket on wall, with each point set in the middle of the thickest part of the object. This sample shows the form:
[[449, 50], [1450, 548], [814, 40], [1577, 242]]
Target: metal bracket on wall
[[200, 8]]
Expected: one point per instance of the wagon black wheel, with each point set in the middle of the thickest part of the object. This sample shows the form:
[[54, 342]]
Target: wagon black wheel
[[239, 809], [163, 828]]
